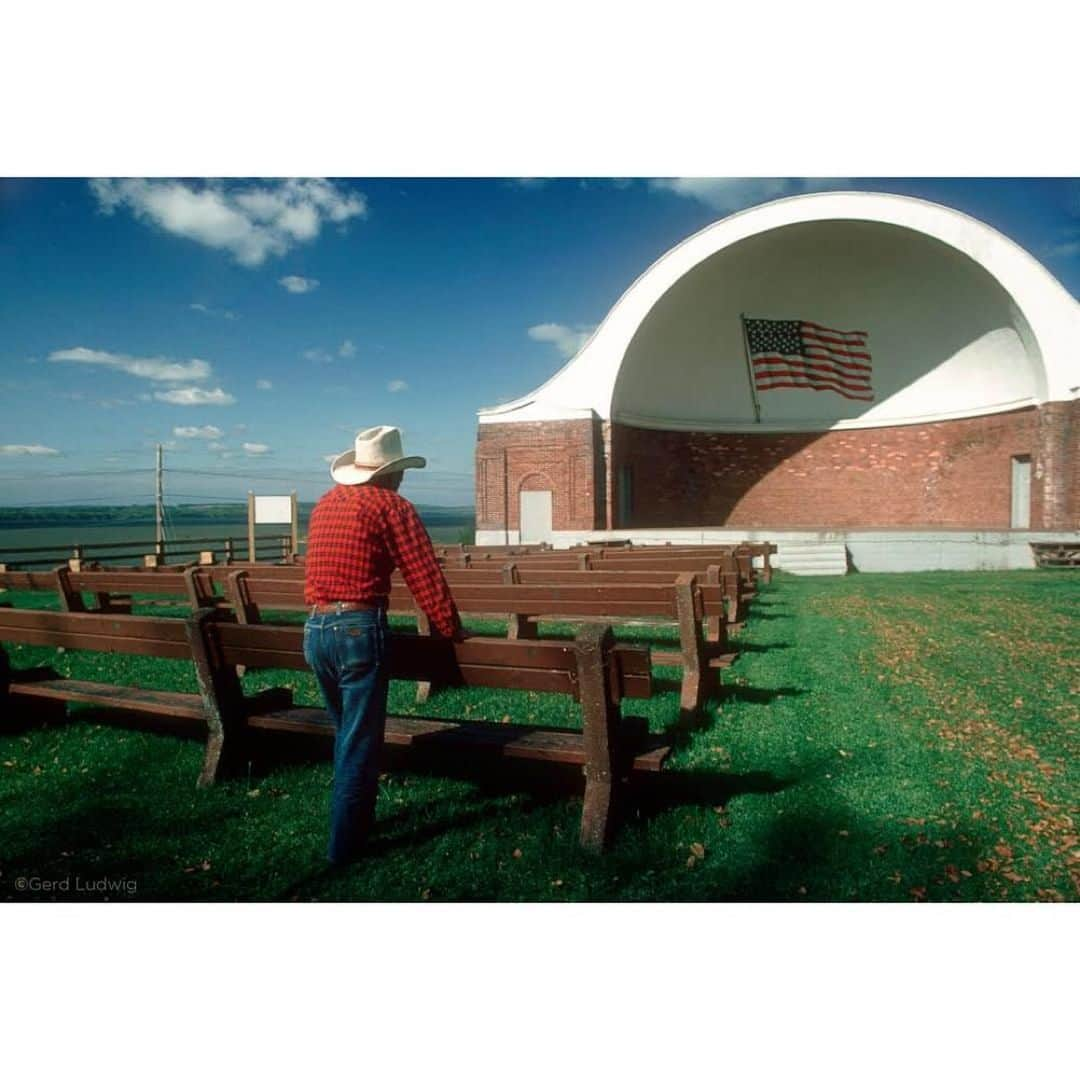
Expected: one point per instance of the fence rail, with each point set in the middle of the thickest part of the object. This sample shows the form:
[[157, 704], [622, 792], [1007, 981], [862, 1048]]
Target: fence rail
[[231, 549]]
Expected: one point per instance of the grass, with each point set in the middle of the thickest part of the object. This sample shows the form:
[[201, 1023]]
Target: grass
[[881, 737]]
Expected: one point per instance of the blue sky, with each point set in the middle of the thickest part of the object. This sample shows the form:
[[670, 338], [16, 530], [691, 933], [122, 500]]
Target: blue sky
[[253, 326]]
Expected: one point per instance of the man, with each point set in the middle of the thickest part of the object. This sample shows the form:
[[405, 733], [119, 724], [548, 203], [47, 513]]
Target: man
[[359, 531]]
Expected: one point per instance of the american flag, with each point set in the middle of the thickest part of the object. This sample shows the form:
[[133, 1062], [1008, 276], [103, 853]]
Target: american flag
[[792, 353]]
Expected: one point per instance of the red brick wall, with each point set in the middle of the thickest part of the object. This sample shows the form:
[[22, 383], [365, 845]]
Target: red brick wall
[[953, 473], [564, 457], [956, 473]]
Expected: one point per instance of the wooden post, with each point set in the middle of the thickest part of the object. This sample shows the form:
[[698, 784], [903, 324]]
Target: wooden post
[[713, 633], [688, 607], [251, 526], [423, 688], [518, 627], [295, 549], [229, 554], [152, 562], [600, 718], [223, 700], [200, 591], [206, 558], [70, 600], [583, 561], [240, 597]]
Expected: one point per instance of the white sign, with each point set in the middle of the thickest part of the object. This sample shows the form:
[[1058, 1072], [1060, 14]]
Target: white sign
[[273, 509]]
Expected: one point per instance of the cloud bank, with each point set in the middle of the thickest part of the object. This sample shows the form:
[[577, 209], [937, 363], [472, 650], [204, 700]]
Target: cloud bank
[[250, 221]]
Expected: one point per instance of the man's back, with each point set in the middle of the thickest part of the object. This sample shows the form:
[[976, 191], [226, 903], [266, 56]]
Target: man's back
[[356, 537]]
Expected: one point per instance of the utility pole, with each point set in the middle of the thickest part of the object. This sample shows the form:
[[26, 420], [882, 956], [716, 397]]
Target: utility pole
[[159, 510]]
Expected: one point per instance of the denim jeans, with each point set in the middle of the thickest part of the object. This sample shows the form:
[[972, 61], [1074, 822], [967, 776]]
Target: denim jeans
[[348, 653]]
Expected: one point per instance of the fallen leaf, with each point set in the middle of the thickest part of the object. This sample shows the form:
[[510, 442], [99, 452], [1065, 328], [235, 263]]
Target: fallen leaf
[[698, 850], [918, 892], [517, 853], [557, 883], [952, 873], [691, 862]]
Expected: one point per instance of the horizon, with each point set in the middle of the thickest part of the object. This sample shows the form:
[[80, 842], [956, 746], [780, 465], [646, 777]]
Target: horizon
[[252, 327]]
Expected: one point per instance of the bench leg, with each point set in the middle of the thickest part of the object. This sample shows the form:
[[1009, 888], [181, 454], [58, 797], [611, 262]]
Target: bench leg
[[693, 695], [600, 717], [423, 689], [521, 628], [223, 701]]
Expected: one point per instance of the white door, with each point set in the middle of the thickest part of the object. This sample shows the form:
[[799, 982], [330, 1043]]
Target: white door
[[1021, 493], [535, 517]]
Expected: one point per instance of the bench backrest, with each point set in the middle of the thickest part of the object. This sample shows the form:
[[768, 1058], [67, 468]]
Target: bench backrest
[[540, 665], [250, 592]]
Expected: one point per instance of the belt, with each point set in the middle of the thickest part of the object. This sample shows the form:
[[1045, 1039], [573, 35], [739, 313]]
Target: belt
[[336, 607]]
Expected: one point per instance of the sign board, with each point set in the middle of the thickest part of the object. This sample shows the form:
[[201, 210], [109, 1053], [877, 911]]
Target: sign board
[[273, 509]]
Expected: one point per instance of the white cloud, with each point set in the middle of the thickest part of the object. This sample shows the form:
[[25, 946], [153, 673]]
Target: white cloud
[[251, 221], [728, 194], [530, 181], [395, 386], [346, 349], [254, 449], [35, 450], [295, 284], [215, 446], [222, 313], [329, 458], [263, 384], [195, 395], [318, 356], [568, 340], [157, 368], [207, 431]]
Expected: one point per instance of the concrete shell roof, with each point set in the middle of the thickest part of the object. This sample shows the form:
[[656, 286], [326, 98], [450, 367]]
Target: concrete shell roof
[[586, 384]]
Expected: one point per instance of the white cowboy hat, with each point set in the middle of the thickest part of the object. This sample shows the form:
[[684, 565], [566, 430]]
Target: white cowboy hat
[[377, 451]]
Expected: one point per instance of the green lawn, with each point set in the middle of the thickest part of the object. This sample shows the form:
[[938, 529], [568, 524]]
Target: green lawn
[[881, 737]]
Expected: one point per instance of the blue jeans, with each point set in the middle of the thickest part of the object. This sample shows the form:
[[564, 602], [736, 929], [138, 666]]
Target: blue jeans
[[348, 653]]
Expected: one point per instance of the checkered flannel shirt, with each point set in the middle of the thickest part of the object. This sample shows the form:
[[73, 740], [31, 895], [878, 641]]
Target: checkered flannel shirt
[[356, 536]]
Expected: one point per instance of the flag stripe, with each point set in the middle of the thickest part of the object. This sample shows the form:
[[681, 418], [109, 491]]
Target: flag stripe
[[816, 351], [764, 363], [812, 386], [838, 333], [846, 348], [809, 376]]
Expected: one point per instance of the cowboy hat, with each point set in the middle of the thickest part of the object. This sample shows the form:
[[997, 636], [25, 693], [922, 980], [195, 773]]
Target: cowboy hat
[[377, 451]]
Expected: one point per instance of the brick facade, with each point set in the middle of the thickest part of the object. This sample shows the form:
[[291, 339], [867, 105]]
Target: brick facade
[[565, 457], [950, 474]]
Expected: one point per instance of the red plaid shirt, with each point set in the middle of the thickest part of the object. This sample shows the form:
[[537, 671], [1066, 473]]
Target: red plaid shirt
[[356, 536]]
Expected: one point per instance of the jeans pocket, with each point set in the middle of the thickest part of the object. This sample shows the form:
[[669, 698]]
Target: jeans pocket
[[358, 651]]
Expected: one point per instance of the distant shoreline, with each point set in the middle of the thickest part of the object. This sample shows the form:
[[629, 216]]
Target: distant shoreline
[[36, 517]]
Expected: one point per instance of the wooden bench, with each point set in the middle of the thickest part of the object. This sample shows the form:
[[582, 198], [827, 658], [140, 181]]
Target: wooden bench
[[523, 605], [593, 670]]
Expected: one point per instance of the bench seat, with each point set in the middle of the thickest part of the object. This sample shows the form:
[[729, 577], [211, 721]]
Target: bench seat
[[504, 740], [159, 702]]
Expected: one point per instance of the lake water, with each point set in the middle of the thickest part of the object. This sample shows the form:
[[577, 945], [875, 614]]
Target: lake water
[[16, 544]]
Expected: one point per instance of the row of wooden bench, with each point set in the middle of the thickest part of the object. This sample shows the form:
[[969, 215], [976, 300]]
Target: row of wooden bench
[[701, 613], [593, 670]]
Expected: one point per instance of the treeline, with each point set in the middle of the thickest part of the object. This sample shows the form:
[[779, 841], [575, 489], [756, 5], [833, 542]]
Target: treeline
[[15, 517]]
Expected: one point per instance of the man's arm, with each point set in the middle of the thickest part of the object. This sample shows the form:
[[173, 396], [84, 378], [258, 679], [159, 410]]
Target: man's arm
[[414, 556]]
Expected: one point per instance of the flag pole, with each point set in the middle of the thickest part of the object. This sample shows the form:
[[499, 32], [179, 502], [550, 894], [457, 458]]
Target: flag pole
[[750, 369]]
